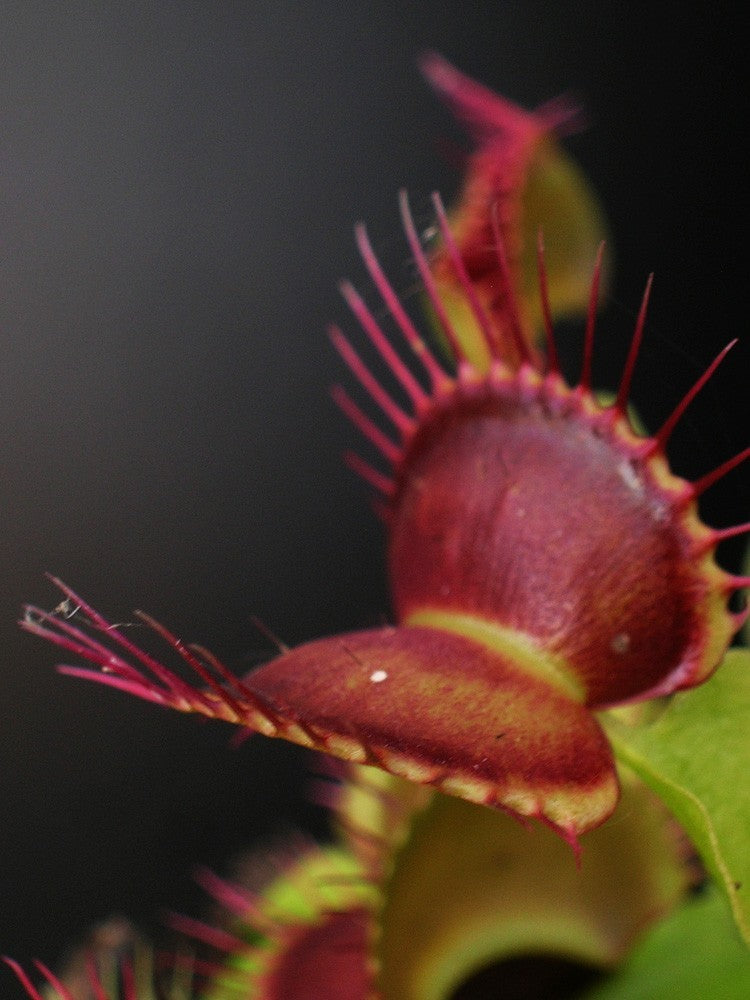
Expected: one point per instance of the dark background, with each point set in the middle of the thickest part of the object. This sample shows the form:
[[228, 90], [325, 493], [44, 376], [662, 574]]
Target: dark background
[[178, 184]]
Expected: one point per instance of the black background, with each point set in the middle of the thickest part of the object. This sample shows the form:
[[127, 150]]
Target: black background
[[178, 183]]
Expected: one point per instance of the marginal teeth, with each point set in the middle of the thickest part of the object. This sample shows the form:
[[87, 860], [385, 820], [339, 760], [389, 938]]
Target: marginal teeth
[[472, 789], [262, 724], [409, 768], [296, 734], [346, 747]]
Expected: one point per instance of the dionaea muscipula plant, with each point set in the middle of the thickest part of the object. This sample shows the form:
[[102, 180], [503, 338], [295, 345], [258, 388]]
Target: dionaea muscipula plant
[[309, 922], [520, 178], [544, 563], [411, 901]]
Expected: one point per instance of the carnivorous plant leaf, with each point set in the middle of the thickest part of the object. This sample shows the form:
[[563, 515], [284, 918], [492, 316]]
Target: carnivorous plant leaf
[[520, 174], [470, 888], [696, 756], [694, 954]]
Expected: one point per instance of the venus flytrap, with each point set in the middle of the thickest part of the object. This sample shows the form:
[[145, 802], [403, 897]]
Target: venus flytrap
[[520, 177], [545, 564], [548, 571]]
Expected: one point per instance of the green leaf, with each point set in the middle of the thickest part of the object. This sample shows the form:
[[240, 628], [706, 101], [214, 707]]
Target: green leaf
[[696, 757], [694, 954]]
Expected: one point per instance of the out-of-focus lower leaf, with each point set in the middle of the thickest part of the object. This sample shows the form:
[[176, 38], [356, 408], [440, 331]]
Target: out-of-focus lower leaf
[[471, 887]]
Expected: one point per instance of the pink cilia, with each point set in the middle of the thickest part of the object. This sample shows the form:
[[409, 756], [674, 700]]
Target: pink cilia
[[311, 923], [544, 564], [519, 179], [94, 983]]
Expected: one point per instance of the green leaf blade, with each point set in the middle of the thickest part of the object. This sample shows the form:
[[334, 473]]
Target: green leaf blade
[[696, 757], [694, 954]]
